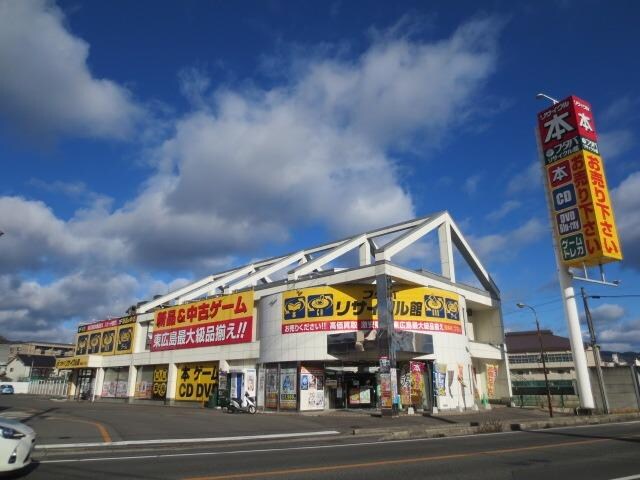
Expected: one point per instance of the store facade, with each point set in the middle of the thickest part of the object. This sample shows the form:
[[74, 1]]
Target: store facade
[[297, 333]]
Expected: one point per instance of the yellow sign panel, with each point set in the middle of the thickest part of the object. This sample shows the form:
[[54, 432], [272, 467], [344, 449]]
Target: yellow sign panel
[[107, 337], [354, 307], [220, 309], [581, 204], [71, 362], [196, 381]]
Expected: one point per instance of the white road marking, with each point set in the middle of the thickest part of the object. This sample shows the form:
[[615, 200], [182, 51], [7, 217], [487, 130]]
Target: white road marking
[[583, 426], [308, 447], [632, 477], [170, 441]]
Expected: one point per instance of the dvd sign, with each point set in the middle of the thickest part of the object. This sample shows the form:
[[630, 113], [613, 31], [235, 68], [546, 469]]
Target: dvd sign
[[568, 222]]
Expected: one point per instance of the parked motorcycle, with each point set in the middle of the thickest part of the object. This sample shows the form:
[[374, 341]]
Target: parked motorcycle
[[247, 405]]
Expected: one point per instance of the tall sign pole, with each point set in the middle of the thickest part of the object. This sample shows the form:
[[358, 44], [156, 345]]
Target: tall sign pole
[[580, 209]]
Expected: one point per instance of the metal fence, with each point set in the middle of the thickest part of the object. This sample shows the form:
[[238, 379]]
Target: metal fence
[[52, 387]]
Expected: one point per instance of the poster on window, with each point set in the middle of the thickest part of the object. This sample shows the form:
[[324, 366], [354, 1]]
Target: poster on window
[[311, 388], [288, 388], [440, 379], [271, 393]]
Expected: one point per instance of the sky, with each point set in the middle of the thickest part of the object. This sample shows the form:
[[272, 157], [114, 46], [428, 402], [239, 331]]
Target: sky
[[147, 144]]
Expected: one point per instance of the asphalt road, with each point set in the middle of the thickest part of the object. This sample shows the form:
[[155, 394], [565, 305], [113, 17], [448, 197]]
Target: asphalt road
[[593, 452], [78, 422]]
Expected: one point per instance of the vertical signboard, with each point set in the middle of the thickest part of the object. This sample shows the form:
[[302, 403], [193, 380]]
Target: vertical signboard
[[580, 203]]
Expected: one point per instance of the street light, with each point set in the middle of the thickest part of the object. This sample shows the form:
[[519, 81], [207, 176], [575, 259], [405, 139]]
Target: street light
[[543, 95], [544, 363]]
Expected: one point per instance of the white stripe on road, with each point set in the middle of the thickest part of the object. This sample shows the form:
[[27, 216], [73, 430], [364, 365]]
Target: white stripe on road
[[173, 441], [308, 447], [632, 477]]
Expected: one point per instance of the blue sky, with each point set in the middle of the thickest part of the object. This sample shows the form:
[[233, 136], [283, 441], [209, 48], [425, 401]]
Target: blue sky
[[144, 144]]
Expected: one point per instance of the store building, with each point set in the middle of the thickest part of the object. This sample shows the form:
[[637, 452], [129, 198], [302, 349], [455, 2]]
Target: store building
[[304, 331]]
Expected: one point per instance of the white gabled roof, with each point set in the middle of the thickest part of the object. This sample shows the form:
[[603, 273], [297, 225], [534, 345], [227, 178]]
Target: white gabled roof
[[257, 274]]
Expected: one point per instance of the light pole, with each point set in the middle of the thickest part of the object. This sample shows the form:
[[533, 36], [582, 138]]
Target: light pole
[[544, 363]]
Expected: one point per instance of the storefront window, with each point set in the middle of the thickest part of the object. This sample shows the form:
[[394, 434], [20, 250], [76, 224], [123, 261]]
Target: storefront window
[[311, 388], [115, 382], [144, 382], [288, 388]]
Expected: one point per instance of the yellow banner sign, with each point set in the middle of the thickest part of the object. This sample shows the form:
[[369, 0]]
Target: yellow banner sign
[[196, 381], [584, 220], [107, 337], [238, 306], [354, 307], [71, 362]]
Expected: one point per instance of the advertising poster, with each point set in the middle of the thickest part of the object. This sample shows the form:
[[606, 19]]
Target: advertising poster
[[95, 339], [82, 344], [354, 396], [440, 374], [394, 385], [288, 388], [195, 381], [159, 387], [354, 307], [108, 341], [417, 382], [125, 340], [222, 320], [311, 388], [385, 390], [271, 393], [492, 375], [405, 386], [250, 381], [104, 338]]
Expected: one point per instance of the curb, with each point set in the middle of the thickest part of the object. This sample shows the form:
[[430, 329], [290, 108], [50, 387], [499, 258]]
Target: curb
[[474, 428]]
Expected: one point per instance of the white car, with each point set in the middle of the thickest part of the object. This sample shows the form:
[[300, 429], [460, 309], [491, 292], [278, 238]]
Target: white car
[[16, 444]]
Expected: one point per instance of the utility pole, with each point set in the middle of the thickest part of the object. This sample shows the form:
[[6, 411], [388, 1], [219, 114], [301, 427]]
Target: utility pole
[[596, 352]]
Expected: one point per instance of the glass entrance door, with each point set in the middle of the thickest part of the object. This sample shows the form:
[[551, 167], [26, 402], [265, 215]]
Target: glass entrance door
[[84, 390]]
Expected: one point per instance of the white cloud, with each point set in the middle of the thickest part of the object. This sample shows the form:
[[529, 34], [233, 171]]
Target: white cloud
[[245, 169], [504, 209], [607, 312], [622, 333], [471, 184], [615, 143], [526, 181], [626, 202], [46, 87], [507, 244]]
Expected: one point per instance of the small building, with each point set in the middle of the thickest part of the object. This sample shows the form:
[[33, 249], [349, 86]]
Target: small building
[[370, 321], [22, 367], [41, 348]]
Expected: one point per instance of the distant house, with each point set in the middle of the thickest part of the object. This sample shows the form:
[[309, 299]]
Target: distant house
[[41, 348], [30, 366], [525, 362]]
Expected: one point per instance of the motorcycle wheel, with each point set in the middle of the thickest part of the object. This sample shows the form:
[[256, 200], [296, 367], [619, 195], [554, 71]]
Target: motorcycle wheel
[[252, 409]]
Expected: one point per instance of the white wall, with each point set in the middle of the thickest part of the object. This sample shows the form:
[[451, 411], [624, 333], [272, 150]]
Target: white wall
[[18, 387]]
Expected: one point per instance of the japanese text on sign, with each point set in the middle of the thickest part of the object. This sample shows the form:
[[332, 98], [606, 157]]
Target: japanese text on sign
[[580, 202], [107, 337], [195, 381], [354, 307], [211, 322]]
